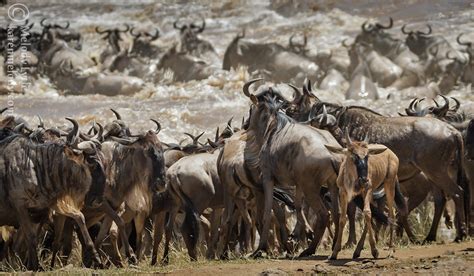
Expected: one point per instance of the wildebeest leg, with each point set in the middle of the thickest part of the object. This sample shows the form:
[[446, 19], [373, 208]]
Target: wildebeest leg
[[368, 221], [343, 201], [59, 221], [449, 209], [351, 212], [247, 221], [158, 227], [282, 236], [216, 217], [29, 233], [302, 224], [267, 210], [313, 198], [389, 187], [67, 240], [439, 203], [107, 209], [360, 244], [139, 227], [226, 227], [168, 234]]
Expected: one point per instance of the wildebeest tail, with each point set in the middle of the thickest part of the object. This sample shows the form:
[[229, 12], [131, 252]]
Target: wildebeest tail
[[284, 197], [463, 181], [191, 220], [400, 199]]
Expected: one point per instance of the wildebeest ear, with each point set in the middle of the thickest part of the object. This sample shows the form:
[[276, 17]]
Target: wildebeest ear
[[73, 154], [334, 149], [376, 149], [254, 99]]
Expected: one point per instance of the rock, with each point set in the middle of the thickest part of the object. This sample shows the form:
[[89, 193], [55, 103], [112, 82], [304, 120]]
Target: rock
[[321, 269], [273, 272]]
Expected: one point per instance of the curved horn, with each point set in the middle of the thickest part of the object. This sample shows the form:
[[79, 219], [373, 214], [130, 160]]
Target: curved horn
[[176, 26], [100, 133], [367, 27], [153, 36], [123, 141], [390, 24], [291, 40], [158, 126], [297, 91], [19, 128], [88, 147], [117, 115], [133, 34], [202, 27], [428, 32], [43, 24], [441, 111], [97, 30], [345, 45], [448, 57], [229, 123], [458, 39], [404, 31], [216, 138], [74, 133], [127, 28], [40, 124], [3, 110], [458, 104], [63, 27], [247, 86]]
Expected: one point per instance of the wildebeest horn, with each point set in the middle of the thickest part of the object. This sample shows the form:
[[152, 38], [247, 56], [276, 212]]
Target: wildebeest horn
[[247, 86], [40, 124], [153, 36], [176, 26], [458, 39], [229, 123], [367, 27], [428, 32], [390, 24], [212, 144], [201, 28], [3, 110], [307, 87], [133, 34], [19, 128], [348, 138], [63, 27], [344, 43], [297, 91], [194, 138], [448, 57], [441, 111], [404, 31], [216, 138], [97, 30], [458, 104], [43, 24], [123, 141], [158, 125], [242, 123], [88, 147], [127, 28], [74, 133], [100, 132], [117, 115]]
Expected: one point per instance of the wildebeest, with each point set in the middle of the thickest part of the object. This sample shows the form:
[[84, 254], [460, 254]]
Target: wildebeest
[[73, 38], [280, 63], [184, 66], [142, 43], [113, 37], [288, 154], [38, 177], [190, 43], [364, 169]]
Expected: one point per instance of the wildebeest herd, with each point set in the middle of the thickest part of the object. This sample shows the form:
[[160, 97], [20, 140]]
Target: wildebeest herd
[[292, 158]]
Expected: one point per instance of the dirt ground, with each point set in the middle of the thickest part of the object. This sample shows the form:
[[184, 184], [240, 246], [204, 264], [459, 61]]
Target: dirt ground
[[438, 259]]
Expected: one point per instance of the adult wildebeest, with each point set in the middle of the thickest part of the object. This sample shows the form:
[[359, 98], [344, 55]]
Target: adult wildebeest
[[272, 58], [38, 178], [288, 153], [142, 43], [113, 37], [184, 66], [364, 169], [73, 38], [190, 42]]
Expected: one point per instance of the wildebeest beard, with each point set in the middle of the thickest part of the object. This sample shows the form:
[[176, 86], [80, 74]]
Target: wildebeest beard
[[96, 191], [157, 181]]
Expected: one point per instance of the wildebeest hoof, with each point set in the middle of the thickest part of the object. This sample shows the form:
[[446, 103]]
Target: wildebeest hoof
[[349, 245], [356, 255], [132, 260], [332, 257], [306, 253], [257, 254], [375, 254]]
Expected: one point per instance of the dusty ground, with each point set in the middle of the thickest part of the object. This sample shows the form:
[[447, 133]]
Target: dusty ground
[[438, 259]]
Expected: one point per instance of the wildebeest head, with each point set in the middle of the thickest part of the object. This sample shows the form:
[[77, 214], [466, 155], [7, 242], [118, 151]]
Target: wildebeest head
[[371, 32], [299, 48], [113, 36], [142, 42], [417, 41], [87, 153], [357, 158], [63, 32], [301, 105], [189, 34], [151, 147]]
